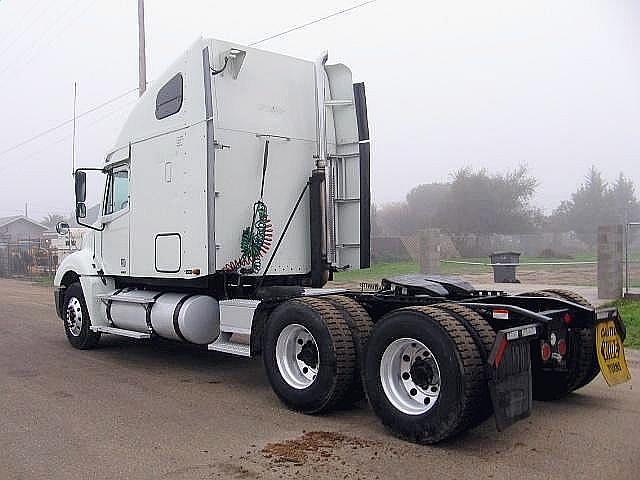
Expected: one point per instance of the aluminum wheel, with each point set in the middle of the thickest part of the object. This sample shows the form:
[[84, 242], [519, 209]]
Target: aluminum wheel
[[74, 316], [410, 376], [297, 356]]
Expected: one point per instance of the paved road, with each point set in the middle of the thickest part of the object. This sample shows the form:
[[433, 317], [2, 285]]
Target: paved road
[[162, 411]]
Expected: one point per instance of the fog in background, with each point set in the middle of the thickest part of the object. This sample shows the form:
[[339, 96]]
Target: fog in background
[[555, 85]]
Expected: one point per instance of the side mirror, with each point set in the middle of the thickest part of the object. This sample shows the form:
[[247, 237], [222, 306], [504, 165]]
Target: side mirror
[[62, 228], [81, 210], [81, 187]]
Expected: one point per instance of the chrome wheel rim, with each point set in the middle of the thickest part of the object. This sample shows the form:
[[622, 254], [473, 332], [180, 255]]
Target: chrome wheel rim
[[297, 356], [410, 376], [74, 316]]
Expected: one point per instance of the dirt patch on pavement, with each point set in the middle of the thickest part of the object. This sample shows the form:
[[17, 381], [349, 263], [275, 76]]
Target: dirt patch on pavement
[[312, 444]]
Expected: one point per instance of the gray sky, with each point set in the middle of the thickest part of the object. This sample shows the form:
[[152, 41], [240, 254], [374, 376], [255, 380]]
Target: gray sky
[[553, 84]]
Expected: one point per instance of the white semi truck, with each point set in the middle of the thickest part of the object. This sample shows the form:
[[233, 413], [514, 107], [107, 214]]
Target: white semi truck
[[238, 185]]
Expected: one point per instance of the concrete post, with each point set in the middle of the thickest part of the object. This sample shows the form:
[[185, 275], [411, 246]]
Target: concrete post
[[610, 254], [429, 251]]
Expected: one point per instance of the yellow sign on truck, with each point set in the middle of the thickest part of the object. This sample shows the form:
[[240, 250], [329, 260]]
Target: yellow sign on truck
[[610, 352]]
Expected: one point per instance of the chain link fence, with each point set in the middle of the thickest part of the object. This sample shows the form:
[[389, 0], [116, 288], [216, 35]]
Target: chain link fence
[[632, 258], [28, 258]]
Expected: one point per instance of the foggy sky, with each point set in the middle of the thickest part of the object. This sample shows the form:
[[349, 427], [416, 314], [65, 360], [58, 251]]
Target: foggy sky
[[553, 84]]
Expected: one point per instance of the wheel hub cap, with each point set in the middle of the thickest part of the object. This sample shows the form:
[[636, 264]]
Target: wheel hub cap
[[308, 354], [421, 373], [74, 316], [410, 376], [297, 356]]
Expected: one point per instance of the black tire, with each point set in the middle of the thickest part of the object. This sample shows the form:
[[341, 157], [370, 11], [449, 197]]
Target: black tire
[[360, 325], [589, 368], [461, 372], [335, 351], [84, 339], [550, 385], [484, 337]]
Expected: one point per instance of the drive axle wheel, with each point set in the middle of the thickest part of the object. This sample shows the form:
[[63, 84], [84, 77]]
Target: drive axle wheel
[[76, 319], [417, 388], [483, 336], [582, 361], [590, 368], [423, 374], [308, 354], [360, 325], [297, 356]]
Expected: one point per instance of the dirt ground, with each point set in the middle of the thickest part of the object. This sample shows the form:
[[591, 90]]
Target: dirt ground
[[157, 410]]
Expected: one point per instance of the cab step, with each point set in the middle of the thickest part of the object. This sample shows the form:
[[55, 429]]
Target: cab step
[[225, 344], [120, 331]]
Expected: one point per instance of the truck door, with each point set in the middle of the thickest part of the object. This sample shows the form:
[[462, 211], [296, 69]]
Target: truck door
[[115, 219]]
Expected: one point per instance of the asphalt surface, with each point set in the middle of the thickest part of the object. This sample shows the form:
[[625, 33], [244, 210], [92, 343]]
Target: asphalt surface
[[130, 410]]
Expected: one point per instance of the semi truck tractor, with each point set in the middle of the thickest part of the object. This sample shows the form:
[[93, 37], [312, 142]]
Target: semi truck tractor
[[238, 186]]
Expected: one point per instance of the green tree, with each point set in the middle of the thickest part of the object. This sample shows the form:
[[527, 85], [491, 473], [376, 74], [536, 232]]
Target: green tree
[[425, 204], [623, 200], [480, 202], [596, 203]]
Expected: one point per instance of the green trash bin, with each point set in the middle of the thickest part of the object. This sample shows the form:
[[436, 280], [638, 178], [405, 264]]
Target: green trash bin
[[505, 273]]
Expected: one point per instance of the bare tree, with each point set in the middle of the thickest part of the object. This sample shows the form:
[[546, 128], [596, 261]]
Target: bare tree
[[51, 220]]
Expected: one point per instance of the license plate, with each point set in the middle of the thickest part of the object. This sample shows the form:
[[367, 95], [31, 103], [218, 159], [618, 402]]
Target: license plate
[[610, 351]]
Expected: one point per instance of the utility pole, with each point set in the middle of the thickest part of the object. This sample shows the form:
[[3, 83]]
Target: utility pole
[[142, 60]]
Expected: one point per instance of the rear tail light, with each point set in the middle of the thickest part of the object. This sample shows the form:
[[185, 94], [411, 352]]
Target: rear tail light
[[545, 351], [562, 347]]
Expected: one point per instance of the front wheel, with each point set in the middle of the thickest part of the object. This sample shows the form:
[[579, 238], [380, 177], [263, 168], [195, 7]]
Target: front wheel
[[77, 324]]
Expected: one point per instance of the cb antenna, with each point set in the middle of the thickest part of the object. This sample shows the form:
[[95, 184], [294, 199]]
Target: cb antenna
[[73, 140]]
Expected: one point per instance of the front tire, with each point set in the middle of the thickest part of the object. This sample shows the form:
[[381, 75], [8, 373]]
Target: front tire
[[424, 376], [77, 324], [308, 354]]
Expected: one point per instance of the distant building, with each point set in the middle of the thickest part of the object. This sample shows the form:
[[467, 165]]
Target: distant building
[[65, 244], [19, 227]]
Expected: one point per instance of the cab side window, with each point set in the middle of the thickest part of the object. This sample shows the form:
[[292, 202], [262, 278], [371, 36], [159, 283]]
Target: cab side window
[[117, 195], [169, 99]]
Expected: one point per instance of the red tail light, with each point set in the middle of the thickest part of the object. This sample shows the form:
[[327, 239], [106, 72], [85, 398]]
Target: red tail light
[[545, 351], [562, 347], [568, 318]]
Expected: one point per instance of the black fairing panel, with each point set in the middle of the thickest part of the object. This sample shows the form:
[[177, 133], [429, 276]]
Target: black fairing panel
[[436, 285], [414, 284], [455, 285]]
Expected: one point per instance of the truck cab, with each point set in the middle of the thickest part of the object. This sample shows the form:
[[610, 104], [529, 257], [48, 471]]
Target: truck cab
[[224, 127]]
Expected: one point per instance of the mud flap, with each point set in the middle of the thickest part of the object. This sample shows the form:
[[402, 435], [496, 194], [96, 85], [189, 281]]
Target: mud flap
[[509, 374]]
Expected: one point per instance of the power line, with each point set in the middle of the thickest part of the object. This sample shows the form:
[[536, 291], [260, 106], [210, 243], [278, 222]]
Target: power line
[[37, 153], [66, 122], [20, 22], [270, 37], [32, 48], [19, 36], [317, 20]]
